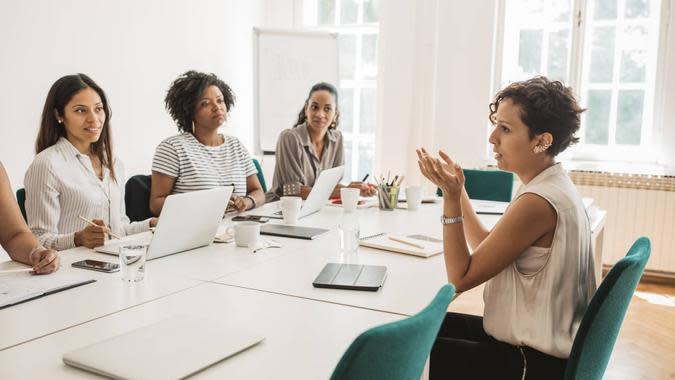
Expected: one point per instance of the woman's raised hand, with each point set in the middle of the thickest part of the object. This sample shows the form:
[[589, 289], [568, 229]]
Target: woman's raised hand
[[444, 172]]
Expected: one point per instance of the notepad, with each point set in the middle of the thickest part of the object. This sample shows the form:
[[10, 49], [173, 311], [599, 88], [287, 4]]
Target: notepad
[[20, 287], [414, 244]]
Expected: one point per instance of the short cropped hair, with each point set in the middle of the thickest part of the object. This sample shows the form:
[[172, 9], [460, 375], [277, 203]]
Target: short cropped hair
[[546, 106]]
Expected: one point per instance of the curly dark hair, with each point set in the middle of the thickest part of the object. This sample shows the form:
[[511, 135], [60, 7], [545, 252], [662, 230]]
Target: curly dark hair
[[322, 86], [545, 106], [184, 93]]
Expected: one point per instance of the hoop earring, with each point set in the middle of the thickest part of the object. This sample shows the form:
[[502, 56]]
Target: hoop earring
[[333, 125], [193, 127]]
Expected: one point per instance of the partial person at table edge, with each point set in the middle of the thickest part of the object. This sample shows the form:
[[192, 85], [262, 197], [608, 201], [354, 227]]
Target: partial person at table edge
[[15, 236], [74, 175], [200, 157], [537, 260], [313, 144]]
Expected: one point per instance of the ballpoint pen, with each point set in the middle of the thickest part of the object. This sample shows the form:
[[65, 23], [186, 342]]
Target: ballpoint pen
[[365, 178], [97, 225]]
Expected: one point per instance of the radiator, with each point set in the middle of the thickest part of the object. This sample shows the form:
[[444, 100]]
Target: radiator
[[636, 205]]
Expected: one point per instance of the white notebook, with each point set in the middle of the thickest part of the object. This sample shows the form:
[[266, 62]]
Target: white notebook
[[413, 244], [170, 349], [19, 287]]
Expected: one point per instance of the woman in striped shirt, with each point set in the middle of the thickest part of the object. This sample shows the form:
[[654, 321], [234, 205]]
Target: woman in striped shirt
[[74, 174], [199, 157]]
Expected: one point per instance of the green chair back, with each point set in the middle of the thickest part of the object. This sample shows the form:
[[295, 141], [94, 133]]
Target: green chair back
[[490, 185], [397, 350], [261, 177], [599, 328], [21, 199]]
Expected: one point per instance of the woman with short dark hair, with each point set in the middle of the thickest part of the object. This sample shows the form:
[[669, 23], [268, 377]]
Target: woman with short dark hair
[[537, 260], [313, 144], [200, 158], [74, 173]]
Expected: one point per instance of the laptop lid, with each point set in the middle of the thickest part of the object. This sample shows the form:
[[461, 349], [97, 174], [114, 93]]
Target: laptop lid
[[170, 349], [321, 191], [188, 221]]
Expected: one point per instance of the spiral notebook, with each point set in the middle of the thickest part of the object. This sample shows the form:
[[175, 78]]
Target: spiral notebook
[[414, 244]]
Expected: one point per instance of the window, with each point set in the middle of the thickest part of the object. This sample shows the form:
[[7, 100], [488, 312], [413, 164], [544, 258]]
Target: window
[[356, 23], [606, 50]]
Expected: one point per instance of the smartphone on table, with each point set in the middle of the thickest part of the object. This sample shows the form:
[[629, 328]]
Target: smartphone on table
[[251, 218], [96, 265]]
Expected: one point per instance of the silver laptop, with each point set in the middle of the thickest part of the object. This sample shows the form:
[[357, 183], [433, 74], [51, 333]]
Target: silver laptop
[[321, 191], [171, 349], [187, 221]]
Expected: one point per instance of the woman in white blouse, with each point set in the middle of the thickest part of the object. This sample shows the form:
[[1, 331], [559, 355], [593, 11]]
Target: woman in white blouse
[[537, 261], [74, 173]]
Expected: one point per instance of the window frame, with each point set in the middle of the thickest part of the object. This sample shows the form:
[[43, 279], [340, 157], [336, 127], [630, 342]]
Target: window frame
[[649, 149]]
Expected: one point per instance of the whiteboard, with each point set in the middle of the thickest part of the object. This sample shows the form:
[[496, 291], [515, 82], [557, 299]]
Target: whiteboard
[[287, 64]]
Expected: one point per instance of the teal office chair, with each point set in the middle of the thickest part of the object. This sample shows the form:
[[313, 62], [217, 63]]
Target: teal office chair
[[21, 199], [490, 185], [396, 350], [599, 328], [261, 177]]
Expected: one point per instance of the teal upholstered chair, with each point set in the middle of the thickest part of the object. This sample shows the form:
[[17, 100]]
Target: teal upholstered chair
[[21, 199], [491, 185], [261, 177], [396, 350], [599, 328]]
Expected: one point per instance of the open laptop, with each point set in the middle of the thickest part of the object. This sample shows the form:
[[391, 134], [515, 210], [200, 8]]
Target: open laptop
[[321, 191], [174, 348], [187, 221]]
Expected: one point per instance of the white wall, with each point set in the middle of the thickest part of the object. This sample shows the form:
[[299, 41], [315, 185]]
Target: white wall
[[434, 82], [134, 50]]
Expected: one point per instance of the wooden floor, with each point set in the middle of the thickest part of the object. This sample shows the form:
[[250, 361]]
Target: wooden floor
[[645, 348]]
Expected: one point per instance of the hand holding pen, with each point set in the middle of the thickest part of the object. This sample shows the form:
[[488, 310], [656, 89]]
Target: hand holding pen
[[367, 189], [93, 235]]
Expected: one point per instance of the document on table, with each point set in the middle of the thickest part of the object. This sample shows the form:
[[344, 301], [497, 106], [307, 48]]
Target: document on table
[[17, 287]]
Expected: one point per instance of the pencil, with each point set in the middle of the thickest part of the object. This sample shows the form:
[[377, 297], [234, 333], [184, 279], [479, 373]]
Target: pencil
[[94, 224], [16, 270], [406, 242]]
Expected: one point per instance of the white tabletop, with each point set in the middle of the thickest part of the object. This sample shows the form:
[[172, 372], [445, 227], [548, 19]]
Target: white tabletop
[[303, 339]]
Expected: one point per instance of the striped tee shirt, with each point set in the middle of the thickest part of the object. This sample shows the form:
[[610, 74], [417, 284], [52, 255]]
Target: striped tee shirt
[[200, 167]]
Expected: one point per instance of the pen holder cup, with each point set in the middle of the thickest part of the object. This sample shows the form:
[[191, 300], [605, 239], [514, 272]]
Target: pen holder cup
[[388, 197]]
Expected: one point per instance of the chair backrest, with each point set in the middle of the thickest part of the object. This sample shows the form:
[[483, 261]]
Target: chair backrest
[[261, 177], [600, 325], [490, 185], [21, 199], [396, 350], [137, 197]]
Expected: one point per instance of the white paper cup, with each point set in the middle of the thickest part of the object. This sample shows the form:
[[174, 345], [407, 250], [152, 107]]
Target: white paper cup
[[290, 208], [245, 233], [413, 196], [349, 197]]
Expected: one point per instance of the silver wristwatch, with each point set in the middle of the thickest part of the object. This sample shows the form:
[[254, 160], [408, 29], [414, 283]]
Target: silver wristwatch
[[451, 219]]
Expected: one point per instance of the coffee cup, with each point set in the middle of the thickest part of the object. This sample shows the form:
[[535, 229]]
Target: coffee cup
[[245, 233], [413, 196], [290, 209], [349, 198]]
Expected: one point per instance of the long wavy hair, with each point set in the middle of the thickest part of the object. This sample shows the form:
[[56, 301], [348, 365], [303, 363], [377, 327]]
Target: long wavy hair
[[323, 86], [61, 92]]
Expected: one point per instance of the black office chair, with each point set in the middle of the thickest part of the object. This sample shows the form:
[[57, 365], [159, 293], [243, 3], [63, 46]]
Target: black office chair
[[21, 199], [137, 197]]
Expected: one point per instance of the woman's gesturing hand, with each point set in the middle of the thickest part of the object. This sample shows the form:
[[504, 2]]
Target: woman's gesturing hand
[[445, 174]]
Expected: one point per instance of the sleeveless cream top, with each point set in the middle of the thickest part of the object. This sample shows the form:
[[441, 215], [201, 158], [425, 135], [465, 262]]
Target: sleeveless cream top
[[538, 300]]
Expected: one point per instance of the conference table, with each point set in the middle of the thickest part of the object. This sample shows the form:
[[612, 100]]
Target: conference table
[[270, 292]]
